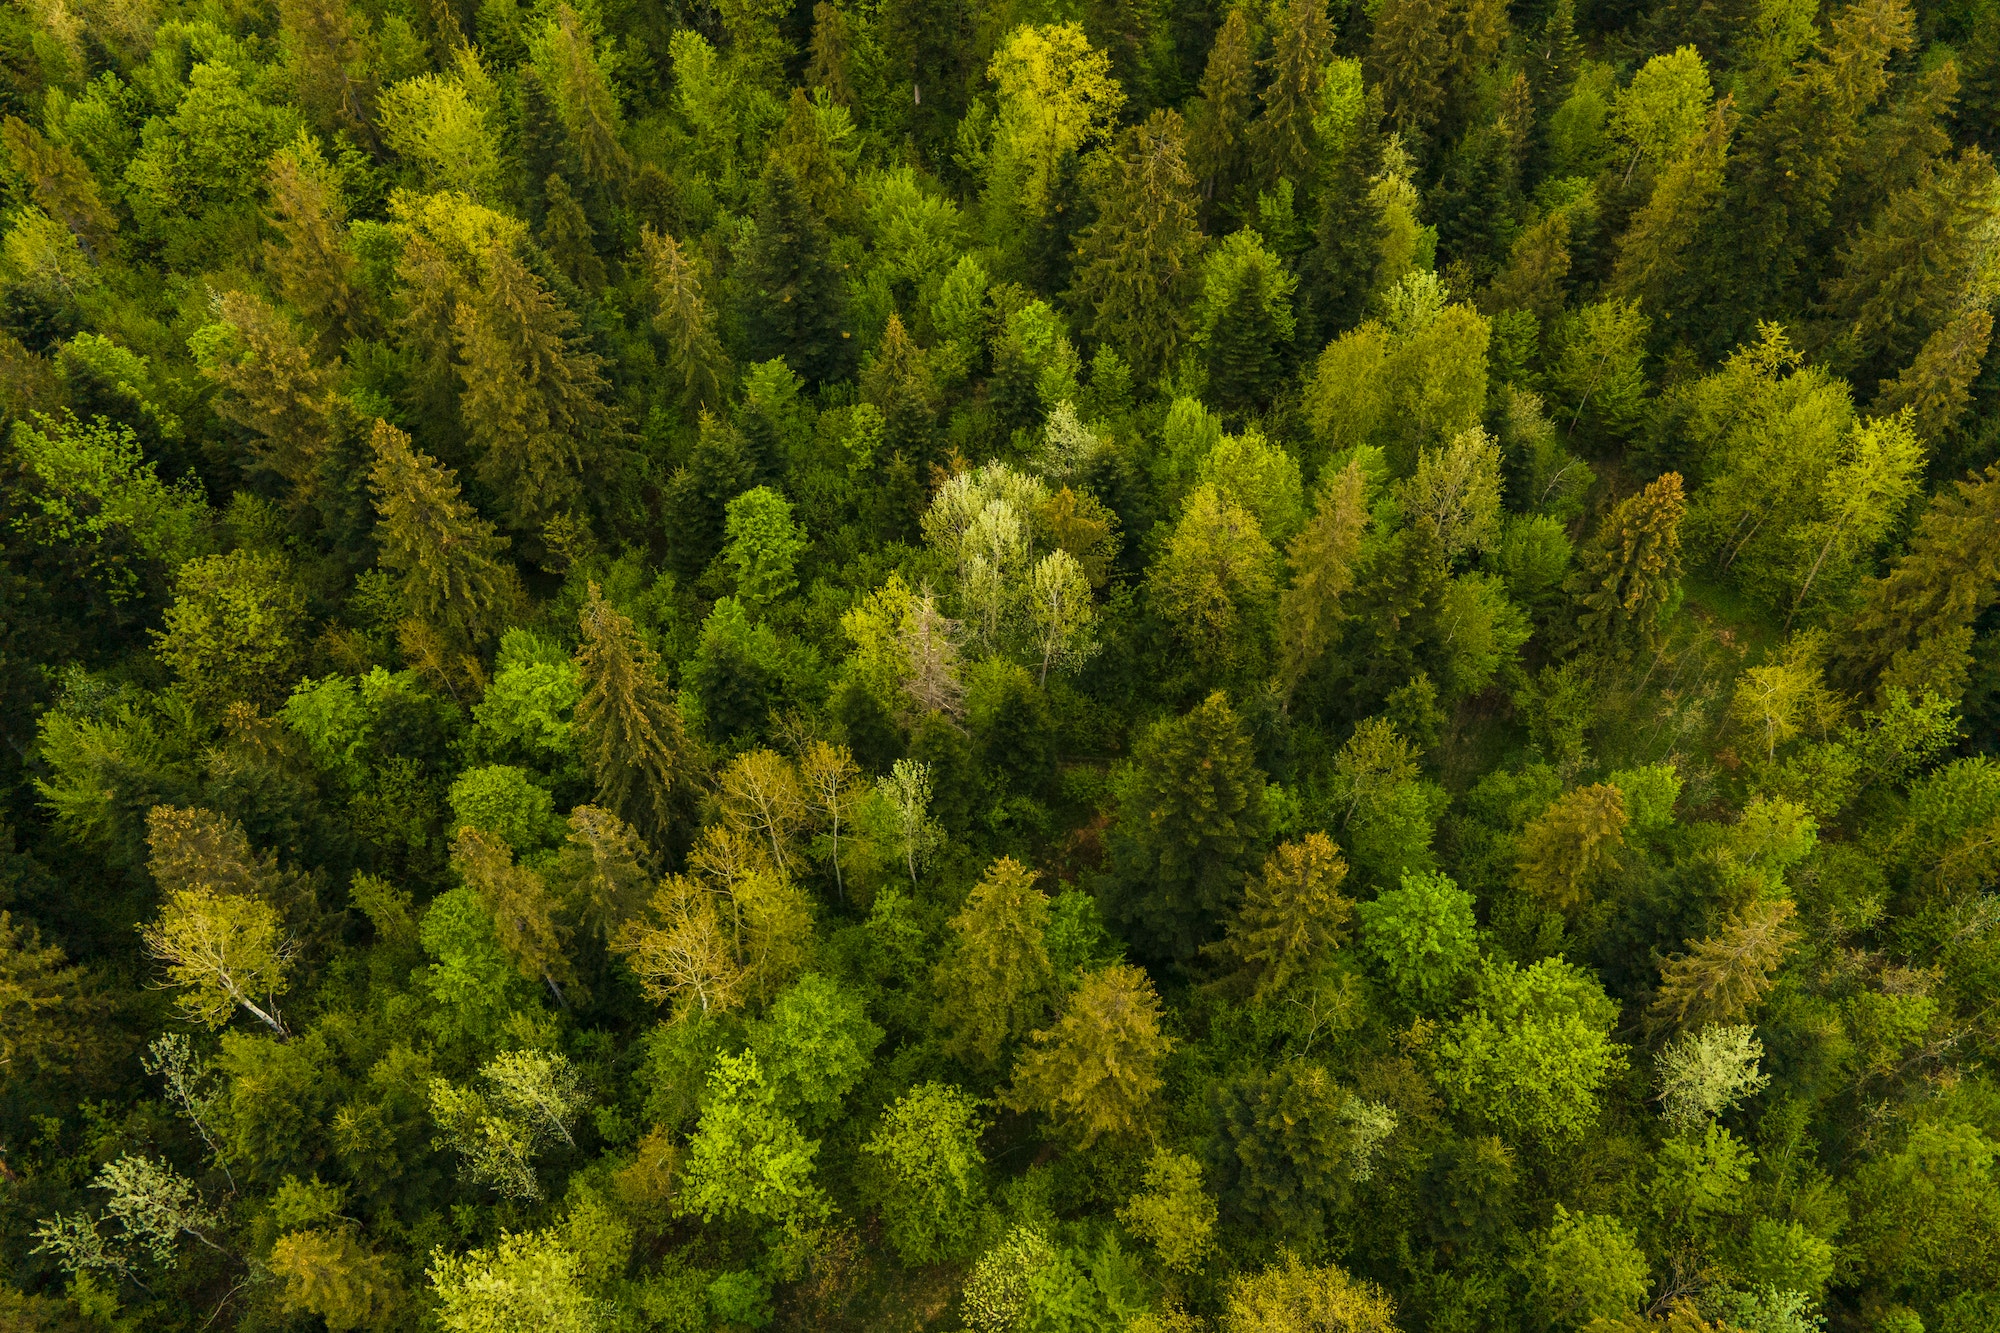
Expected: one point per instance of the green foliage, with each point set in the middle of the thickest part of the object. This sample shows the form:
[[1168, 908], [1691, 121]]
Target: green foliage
[[1422, 938], [747, 1158], [926, 1150]]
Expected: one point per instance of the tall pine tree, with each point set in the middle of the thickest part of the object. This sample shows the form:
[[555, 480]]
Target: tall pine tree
[[448, 556], [633, 739], [1135, 269]]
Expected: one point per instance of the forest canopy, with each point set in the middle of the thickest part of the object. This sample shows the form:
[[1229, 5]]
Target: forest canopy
[[1312, 666]]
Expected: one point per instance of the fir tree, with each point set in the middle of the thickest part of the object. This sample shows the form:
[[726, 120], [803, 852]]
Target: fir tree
[[1937, 386], [448, 556], [533, 403], [567, 236], [1286, 140], [684, 318], [899, 383], [1218, 132], [632, 735], [61, 185], [1724, 977], [1244, 323], [1135, 268], [1568, 848], [1341, 271], [332, 65], [996, 985], [832, 47], [1323, 558], [310, 263], [792, 288], [1191, 826], [1292, 914], [1631, 568], [1097, 1070], [274, 390]]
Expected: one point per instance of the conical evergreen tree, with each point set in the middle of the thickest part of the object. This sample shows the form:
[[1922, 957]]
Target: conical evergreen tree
[[1631, 568], [332, 65], [1218, 130], [832, 49], [569, 239], [1191, 827], [1286, 140], [1337, 276], [997, 986], [310, 263], [448, 556], [632, 735], [1292, 915], [900, 385], [1136, 263], [273, 389], [1937, 386], [61, 185], [684, 318], [532, 404], [793, 292]]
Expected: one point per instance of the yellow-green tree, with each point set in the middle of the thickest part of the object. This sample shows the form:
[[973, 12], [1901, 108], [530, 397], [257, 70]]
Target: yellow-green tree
[[996, 984], [236, 629], [1567, 849], [631, 730], [447, 555], [1096, 1072], [1293, 914]]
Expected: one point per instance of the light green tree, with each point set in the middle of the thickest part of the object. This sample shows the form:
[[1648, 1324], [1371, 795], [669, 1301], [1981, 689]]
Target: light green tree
[[1096, 1072], [1589, 1267], [763, 546], [527, 1283], [1532, 1055], [747, 1158], [1172, 1212], [926, 1152]]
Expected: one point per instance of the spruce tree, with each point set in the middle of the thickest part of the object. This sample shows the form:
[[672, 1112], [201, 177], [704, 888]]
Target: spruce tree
[[1567, 849], [332, 65], [996, 985], [533, 405], [274, 390], [1292, 915], [448, 556], [1323, 558], [899, 383], [1286, 140], [1191, 827], [832, 49], [310, 263], [1218, 129], [1937, 386], [633, 739], [569, 239], [685, 319], [1097, 1070], [61, 185], [1245, 323], [1631, 568], [1135, 269], [793, 292], [1339, 274]]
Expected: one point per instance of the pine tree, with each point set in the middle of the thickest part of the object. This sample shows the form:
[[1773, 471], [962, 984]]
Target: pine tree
[[1909, 269], [1322, 559], [1219, 130], [533, 404], [1568, 848], [1191, 826], [1292, 914], [61, 186], [567, 60], [568, 237], [899, 383], [632, 734], [448, 556], [1286, 141], [1937, 386], [1930, 597], [1097, 1070], [1244, 323], [1631, 568], [793, 291], [310, 263], [1212, 584], [1723, 978], [996, 984], [1135, 263], [684, 318]]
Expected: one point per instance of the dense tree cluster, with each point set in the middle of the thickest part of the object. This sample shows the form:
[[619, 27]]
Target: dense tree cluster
[[1293, 667]]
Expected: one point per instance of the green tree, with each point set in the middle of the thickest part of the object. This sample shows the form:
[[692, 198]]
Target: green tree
[[1725, 976], [61, 185], [310, 261], [521, 905], [1217, 137], [1286, 140], [814, 1046], [1422, 939], [1097, 1070], [763, 546], [219, 935], [1173, 1213], [1292, 915], [328, 1272], [632, 734], [1212, 586], [1243, 320], [930, 1171], [1664, 110], [684, 318], [1936, 386], [1344, 267], [1566, 851], [747, 1158], [1630, 570], [447, 556], [996, 984], [1291, 1296], [566, 57], [1323, 559], [1532, 1055], [235, 630], [795, 303], [527, 1283], [1598, 380], [900, 385], [1589, 1267], [1190, 830], [1136, 261]]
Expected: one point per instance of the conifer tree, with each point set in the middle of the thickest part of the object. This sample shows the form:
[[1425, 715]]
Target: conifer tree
[[1905, 274], [519, 901], [1292, 914], [602, 871], [332, 65], [1342, 270], [1724, 977], [1322, 559], [310, 263], [1631, 568], [533, 404], [1653, 252], [1569, 847], [1135, 263], [448, 556], [1191, 825], [899, 383], [1937, 386], [61, 185], [793, 291], [1244, 323], [276, 391], [1212, 585], [1217, 132], [1924, 606], [568, 237], [832, 47], [996, 984], [1286, 140], [632, 734], [1097, 1070], [684, 317], [566, 58]]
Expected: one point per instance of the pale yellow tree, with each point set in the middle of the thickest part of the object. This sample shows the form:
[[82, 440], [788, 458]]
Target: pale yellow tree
[[832, 784], [760, 795]]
